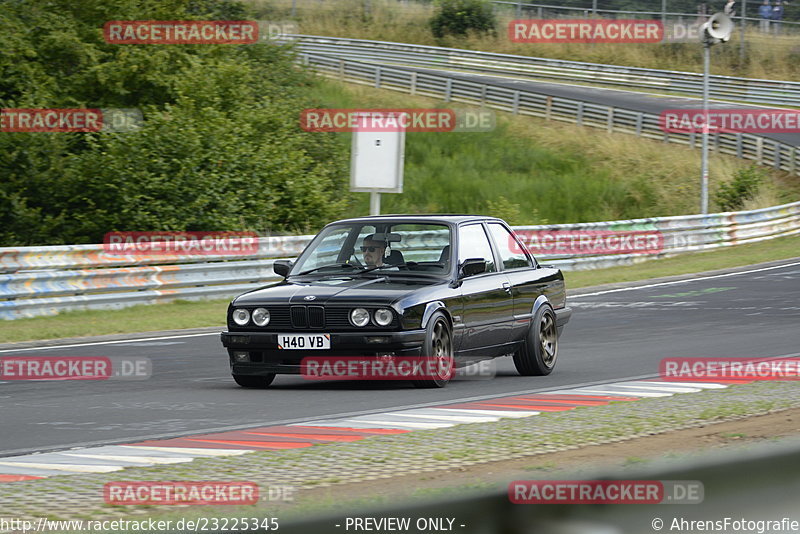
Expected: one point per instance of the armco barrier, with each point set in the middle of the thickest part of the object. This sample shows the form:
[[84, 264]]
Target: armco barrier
[[751, 90], [45, 280], [451, 88], [747, 486]]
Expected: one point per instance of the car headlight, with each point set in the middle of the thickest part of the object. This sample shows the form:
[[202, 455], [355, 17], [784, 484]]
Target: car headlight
[[359, 317], [241, 316], [383, 317], [261, 316]]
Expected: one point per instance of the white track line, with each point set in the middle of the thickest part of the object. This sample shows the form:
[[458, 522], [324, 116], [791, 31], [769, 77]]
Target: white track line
[[116, 342], [674, 282], [69, 468]]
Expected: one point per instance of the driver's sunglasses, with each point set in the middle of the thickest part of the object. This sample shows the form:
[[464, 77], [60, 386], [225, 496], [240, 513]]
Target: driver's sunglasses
[[371, 249]]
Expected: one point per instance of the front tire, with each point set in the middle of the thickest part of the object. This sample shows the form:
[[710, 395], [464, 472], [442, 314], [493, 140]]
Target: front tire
[[254, 381], [539, 351], [439, 347]]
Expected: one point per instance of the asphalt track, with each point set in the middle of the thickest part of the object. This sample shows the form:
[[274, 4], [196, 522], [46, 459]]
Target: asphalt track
[[614, 335], [631, 100]]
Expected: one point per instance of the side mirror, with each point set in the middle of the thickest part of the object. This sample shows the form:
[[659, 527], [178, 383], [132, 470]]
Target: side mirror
[[282, 267], [472, 266]]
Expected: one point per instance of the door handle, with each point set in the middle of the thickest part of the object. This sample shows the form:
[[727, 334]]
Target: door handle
[[507, 287]]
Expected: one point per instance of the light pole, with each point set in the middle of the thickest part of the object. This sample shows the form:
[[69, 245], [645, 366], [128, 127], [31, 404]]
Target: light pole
[[743, 27], [716, 30]]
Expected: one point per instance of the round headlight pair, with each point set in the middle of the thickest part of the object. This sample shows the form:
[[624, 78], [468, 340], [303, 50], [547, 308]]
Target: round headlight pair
[[242, 316], [261, 316], [360, 317], [383, 317]]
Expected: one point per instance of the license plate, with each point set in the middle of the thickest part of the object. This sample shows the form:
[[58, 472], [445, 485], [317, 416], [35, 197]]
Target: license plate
[[304, 341]]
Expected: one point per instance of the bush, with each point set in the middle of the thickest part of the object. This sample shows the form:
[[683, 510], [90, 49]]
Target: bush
[[459, 17], [732, 195], [219, 149]]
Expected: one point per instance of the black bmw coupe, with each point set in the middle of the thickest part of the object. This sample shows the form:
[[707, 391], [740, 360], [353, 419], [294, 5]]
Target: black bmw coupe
[[455, 289]]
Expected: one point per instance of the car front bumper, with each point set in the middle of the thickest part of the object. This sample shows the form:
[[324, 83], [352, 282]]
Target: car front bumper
[[264, 357]]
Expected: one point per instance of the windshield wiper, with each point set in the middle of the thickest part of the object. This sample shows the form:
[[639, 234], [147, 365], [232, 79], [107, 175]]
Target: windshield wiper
[[328, 266], [384, 266]]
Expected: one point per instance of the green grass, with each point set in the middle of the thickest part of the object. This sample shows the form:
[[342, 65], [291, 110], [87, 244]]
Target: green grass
[[767, 56], [185, 314], [478, 486], [515, 173], [734, 410], [531, 171], [144, 318], [734, 435], [776, 249]]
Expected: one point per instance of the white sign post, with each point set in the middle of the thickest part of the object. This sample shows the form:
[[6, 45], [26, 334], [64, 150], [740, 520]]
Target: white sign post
[[376, 164]]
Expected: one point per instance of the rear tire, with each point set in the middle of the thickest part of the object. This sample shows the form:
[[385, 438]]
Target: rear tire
[[439, 347], [539, 351], [254, 381]]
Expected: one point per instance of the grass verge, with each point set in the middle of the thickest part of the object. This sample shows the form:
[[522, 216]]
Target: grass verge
[[533, 171], [767, 56], [776, 249], [143, 318], [185, 314]]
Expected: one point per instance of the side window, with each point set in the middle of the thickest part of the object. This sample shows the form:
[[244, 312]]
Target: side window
[[511, 253], [473, 243]]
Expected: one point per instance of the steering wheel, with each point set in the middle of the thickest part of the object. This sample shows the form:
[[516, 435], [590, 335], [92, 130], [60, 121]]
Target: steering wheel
[[355, 261]]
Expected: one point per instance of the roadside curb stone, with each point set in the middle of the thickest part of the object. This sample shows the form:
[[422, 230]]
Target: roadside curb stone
[[383, 457]]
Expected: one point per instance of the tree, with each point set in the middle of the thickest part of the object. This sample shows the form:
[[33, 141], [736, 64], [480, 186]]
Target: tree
[[220, 147]]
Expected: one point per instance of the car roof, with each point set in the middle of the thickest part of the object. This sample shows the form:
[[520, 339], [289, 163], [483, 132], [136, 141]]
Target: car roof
[[439, 218]]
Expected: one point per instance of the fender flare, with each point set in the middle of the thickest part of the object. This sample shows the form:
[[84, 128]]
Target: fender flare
[[540, 301], [433, 307]]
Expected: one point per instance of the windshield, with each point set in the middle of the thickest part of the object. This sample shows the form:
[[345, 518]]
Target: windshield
[[389, 247]]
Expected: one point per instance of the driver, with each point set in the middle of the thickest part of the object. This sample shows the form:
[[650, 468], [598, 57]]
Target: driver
[[373, 251]]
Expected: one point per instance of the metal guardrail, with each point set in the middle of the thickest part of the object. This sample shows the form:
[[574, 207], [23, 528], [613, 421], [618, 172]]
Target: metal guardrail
[[38, 281], [45, 280], [750, 90], [612, 119], [679, 234], [748, 485]]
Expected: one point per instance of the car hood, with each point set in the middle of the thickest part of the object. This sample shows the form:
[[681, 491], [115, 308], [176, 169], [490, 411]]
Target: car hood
[[379, 290]]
